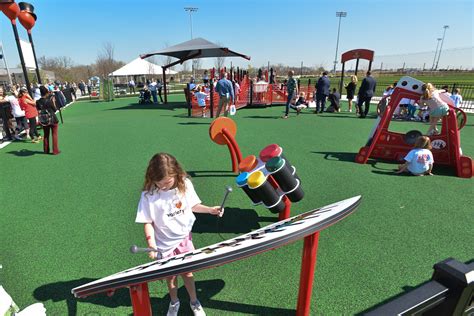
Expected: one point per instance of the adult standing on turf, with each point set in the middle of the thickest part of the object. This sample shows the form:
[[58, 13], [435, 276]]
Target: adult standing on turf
[[131, 86], [47, 103], [291, 90], [154, 90], [322, 91], [351, 88], [366, 92], [226, 92], [159, 87], [28, 105], [82, 87]]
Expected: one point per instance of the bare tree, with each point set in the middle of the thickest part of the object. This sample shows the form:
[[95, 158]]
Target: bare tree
[[151, 68], [105, 62], [219, 61], [197, 64], [167, 59], [185, 67], [61, 66]]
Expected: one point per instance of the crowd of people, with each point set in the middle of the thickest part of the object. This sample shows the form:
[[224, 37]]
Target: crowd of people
[[227, 90], [27, 109], [151, 90]]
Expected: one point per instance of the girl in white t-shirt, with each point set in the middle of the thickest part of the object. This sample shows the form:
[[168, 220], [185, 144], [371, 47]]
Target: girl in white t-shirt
[[419, 161], [166, 208], [201, 97]]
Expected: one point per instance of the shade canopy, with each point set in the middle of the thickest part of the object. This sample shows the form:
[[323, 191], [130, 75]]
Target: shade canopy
[[196, 48], [140, 67]]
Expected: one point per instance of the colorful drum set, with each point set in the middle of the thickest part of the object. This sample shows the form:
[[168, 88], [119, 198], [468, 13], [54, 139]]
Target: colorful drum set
[[269, 178]]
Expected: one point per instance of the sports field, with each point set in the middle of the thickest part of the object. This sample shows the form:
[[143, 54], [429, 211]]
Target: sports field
[[69, 219]]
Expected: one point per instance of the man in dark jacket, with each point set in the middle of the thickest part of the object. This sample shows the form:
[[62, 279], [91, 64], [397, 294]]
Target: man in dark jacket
[[366, 92], [322, 91]]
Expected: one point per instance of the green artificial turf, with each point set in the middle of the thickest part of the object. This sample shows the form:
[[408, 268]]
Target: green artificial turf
[[69, 219]]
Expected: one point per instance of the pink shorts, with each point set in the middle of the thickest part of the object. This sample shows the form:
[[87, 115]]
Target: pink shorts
[[185, 246]]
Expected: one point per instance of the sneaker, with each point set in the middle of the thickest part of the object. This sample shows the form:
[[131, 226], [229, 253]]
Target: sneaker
[[197, 309], [284, 117], [17, 137], [34, 141], [40, 137], [173, 309]]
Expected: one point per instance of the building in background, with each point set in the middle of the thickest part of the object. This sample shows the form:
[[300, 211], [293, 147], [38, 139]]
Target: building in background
[[18, 78]]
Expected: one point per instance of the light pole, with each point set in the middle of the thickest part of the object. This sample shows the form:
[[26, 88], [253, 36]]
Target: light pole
[[339, 14], [2, 56], [191, 10], [441, 47], [436, 52]]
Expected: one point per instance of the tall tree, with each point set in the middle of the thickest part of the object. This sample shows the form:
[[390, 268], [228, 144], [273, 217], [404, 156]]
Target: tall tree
[[219, 61], [105, 62]]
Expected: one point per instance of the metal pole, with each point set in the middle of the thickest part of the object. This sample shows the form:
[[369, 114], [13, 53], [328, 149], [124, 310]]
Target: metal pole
[[441, 47], [22, 60], [6, 66], [191, 10], [436, 53], [339, 14], [34, 55]]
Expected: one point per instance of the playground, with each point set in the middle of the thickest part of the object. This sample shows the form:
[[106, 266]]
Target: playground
[[82, 226]]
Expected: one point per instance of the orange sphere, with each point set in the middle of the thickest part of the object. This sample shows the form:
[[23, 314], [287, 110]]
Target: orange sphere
[[11, 10], [27, 20]]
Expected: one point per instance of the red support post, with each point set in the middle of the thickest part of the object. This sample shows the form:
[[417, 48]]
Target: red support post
[[233, 143], [287, 211], [140, 299], [285, 214], [308, 265], [235, 165]]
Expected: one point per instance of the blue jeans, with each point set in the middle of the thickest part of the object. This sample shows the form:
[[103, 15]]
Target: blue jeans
[[153, 94], [288, 101]]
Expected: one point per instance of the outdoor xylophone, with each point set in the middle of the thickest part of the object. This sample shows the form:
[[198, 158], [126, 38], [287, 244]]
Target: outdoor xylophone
[[306, 225]]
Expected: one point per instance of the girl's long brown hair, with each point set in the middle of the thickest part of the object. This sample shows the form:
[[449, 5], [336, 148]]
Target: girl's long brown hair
[[423, 142], [163, 165]]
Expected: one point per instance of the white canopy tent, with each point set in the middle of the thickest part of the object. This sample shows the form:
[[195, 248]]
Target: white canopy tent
[[141, 67]]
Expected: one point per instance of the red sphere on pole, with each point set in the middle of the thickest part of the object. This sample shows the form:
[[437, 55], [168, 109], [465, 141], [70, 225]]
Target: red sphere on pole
[[27, 20], [10, 9], [27, 15]]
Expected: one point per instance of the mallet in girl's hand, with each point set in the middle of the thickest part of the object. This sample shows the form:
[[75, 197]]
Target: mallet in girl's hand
[[228, 189]]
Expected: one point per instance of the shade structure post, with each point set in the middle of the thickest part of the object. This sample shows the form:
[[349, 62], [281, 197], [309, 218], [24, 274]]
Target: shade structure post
[[164, 85], [188, 99]]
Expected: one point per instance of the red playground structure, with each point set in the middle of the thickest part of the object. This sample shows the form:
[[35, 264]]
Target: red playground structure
[[389, 145]]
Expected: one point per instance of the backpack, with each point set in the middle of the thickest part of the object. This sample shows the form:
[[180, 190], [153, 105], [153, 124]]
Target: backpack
[[46, 117]]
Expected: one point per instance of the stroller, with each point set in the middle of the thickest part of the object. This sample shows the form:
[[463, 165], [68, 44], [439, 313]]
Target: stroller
[[144, 97]]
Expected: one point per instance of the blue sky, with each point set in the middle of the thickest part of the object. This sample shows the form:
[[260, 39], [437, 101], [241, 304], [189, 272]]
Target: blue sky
[[287, 32]]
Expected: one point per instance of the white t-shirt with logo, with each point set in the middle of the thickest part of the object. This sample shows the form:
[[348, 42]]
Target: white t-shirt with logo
[[171, 214], [419, 160], [16, 110]]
